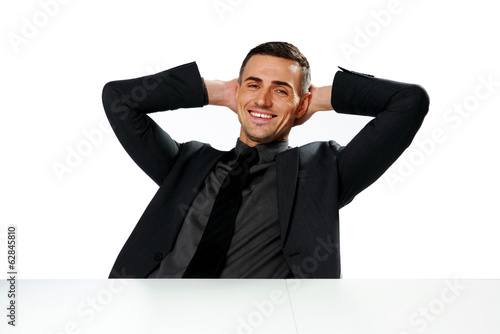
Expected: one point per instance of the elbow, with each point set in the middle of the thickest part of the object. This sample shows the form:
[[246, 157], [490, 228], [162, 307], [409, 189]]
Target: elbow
[[420, 99], [410, 106], [108, 95], [112, 100]]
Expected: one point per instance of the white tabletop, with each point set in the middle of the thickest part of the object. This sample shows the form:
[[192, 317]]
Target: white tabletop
[[254, 306]]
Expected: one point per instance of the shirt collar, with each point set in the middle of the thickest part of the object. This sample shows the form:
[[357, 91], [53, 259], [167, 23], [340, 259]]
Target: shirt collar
[[267, 151]]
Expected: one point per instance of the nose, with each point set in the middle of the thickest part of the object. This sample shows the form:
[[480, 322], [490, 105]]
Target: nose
[[263, 98]]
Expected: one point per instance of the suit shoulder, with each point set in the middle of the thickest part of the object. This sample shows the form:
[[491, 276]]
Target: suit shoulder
[[319, 152], [193, 148], [319, 147]]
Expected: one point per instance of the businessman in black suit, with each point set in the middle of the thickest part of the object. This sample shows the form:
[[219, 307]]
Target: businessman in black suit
[[285, 221]]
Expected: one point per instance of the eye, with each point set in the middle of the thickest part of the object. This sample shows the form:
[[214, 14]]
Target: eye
[[281, 91], [253, 86]]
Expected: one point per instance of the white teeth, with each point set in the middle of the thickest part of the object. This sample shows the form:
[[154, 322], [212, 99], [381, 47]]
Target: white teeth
[[260, 115]]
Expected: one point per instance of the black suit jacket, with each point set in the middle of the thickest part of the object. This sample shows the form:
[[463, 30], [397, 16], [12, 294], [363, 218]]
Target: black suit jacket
[[314, 181]]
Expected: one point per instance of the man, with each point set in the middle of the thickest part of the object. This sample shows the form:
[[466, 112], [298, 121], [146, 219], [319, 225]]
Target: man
[[283, 220]]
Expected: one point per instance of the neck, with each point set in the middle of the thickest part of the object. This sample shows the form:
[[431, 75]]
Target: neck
[[256, 141]]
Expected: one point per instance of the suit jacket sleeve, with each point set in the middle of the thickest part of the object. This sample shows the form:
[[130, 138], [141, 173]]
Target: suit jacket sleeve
[[127, 103], [399, 110]]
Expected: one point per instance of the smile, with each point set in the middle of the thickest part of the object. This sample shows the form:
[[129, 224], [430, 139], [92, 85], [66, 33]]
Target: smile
[[260, 115]]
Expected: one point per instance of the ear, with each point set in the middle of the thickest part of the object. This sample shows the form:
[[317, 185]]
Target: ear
[[304, 103], [237, 89]]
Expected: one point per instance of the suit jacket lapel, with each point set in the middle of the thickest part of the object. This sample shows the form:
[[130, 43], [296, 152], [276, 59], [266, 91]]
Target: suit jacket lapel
[[287, 167], [152, 234], [196, 173]]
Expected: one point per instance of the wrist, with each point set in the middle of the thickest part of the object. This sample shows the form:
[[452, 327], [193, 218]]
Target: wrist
[[215, 92], [321, 98]]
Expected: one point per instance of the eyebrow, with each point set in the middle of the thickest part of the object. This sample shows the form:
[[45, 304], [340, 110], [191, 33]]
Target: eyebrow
[[275, 82]]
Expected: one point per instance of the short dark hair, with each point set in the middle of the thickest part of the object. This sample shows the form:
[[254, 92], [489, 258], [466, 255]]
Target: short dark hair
[[282, 50]]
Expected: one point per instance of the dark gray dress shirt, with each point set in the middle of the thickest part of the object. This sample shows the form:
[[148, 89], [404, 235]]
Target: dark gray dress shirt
[[255, 250]]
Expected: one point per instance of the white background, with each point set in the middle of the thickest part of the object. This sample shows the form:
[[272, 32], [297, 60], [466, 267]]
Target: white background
[[437, 217]]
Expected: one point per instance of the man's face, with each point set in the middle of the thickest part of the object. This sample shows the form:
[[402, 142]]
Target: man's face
[[269, 99]]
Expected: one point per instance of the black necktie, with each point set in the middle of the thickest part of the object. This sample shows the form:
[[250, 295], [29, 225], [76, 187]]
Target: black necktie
[[208, 260]]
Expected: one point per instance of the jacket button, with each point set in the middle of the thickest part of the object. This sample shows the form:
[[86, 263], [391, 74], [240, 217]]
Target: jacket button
[[158, 256]]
